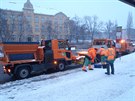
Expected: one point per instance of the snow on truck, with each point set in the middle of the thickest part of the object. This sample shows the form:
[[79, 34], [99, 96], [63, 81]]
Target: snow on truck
[[21, 59]]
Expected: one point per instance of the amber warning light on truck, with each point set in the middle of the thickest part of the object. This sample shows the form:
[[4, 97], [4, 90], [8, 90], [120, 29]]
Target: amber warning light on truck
[[122, 41]]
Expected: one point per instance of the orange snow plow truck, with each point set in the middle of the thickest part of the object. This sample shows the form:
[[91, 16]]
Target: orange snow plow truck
[[124, 46], [21, 59]]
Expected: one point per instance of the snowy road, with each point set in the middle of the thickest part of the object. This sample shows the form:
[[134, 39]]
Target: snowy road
[[77, 85]]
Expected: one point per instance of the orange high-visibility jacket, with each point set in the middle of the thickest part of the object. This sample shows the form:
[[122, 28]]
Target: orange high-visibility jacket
[[110, 54], [92, 54], [102, 51]]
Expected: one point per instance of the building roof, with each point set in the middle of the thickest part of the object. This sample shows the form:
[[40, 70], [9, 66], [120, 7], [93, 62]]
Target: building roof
[[130, 2]]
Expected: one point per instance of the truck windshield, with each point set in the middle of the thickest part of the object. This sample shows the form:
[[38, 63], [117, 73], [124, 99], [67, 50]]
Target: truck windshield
[[1, 52], [63, 45], [48, 45], [99, 42]]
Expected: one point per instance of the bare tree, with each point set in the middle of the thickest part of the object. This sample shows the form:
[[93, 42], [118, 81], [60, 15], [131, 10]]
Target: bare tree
[[55, 30], [83, 33], [14, 25], [3, 25], [129, 24], [108, 28], [6, 29], [43, 30], [92, 25], [68, 27], [114, 30], [76, 27], [71, 25], [23, 28], [49, 29]]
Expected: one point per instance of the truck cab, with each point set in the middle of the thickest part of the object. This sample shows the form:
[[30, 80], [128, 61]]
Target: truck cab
[[98, 43], [58, 50], [124, 46]]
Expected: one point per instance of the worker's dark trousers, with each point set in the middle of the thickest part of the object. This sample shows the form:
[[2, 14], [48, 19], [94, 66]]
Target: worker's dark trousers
[[108, 67]]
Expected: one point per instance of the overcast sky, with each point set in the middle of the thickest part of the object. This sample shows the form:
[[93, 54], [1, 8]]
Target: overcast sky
[[105, 10]]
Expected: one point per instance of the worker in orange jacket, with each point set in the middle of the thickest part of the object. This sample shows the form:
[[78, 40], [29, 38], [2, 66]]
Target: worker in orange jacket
[[110, 60], [89, 59], [92, 54], [103, 53]]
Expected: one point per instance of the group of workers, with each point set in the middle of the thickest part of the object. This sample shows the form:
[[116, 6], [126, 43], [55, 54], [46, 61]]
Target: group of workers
[[107, 58]]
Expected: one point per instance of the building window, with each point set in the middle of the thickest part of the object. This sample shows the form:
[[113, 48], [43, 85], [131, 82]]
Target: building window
[[37, 28], [56, 23], [28, 18], [20, 26], [60, 29], [28, 28], [19, 18], [60, 22], [42, 20], [43, 28], [12, 27], [12, 19], [36, 19], [13, 37], [37, 38], [29, 39], [4, 16], [60, 18], [47, 18], [12, 16]]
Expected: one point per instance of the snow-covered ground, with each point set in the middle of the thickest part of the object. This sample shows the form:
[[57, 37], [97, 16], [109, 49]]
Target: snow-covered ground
[[76, 85]]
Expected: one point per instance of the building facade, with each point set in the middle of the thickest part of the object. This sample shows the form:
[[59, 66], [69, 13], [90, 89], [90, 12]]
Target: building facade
[[30, 26]]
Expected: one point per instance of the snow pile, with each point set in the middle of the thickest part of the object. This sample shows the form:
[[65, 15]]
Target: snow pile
[[76, 85]]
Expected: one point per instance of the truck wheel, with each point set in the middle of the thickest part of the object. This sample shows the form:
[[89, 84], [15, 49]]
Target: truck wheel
[[61, 66], [23, 72]]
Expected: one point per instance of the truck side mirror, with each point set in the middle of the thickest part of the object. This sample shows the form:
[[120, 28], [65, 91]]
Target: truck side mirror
[[1, 52]]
